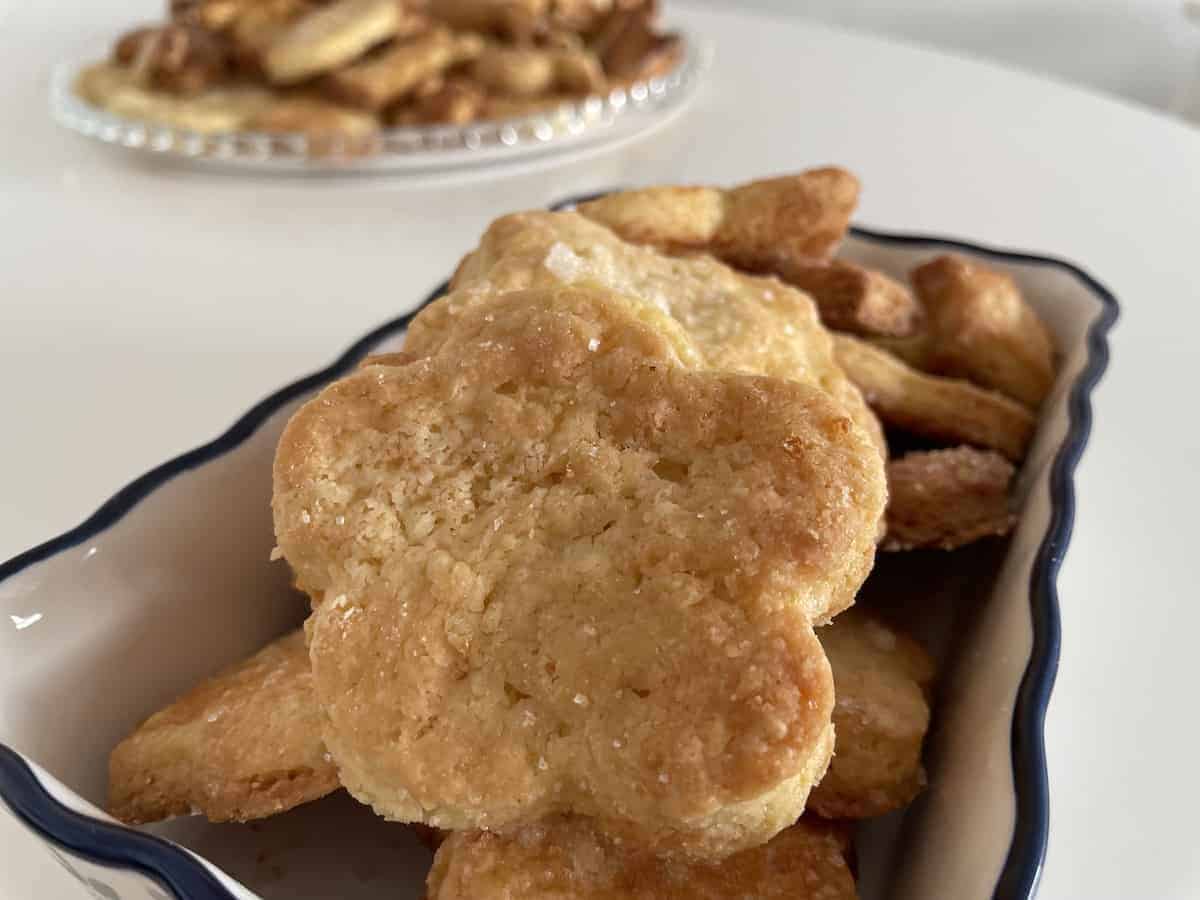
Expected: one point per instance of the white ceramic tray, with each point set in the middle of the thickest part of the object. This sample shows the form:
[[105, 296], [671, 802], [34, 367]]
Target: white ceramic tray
[[170, 580]]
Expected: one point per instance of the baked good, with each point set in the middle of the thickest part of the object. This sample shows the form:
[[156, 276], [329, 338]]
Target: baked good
[[565, 573], [567, 860], [881, 681], [942, 409], [750, 226], [341, 70], [738, 322], [981, 328], [244, 744], [947, 498]]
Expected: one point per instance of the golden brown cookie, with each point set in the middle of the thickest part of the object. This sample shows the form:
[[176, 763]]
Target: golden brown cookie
[[881, 717], [738, 322], [947, 498], [245, 744], [400, 70], [524, 72], [331, 129], [982, 328], [565, 573], [181, 59], [791, 216], [513, 19], [851, 298], [751, 226], [578, 71], [667, 217], [498, 108], [567, 860], [256, 24], [455, 101], [913, 349], [943, 409], [333, 35], [118, 90], [515, 71], [629, 45]]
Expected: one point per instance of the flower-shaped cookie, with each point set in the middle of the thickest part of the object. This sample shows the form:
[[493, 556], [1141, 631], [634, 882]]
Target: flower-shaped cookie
[[563, 572]]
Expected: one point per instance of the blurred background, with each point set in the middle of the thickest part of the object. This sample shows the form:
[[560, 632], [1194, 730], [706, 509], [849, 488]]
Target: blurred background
[[1146, 51]]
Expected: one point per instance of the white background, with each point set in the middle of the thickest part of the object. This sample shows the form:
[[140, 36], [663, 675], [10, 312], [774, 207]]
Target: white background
[[122, 343], [1139, 49]]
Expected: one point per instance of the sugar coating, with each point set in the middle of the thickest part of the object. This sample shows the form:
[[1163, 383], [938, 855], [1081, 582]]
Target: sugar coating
[[947, 498], [738, 322], [577, 571]]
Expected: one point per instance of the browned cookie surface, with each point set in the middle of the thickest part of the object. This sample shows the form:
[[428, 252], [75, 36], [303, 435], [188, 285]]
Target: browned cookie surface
[[881, 716], [567, 860], [565, 573], [738, 322], [981, 328], [244, 744], [947, 498]]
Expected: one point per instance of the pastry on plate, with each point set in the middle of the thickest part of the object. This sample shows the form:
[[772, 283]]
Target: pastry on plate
[[372, 64]]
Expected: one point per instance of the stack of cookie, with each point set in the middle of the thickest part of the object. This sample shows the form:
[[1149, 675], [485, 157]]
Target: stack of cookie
[[345, 68], [579, 559]]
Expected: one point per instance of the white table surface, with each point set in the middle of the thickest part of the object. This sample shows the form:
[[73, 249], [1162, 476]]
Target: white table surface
[[1143, 50], [143, 307]]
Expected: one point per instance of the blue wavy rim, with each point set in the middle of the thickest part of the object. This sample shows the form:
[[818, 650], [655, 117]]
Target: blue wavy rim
[[1022, 869], [117, 846]]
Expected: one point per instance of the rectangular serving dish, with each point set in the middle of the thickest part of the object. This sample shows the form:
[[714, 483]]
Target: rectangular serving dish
[[170, 579]]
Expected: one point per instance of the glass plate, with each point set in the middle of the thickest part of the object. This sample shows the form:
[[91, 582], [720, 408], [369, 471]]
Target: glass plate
[[618, 114]]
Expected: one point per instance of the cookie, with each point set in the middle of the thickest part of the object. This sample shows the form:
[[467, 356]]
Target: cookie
[[881, 716], [933, 406], [565, 573], [739, 322], [568, 860], [331, 36], [400, 70], [947, 498], [983, 329], [751, 226], [245, 744], [852, 298], [212, 111]]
